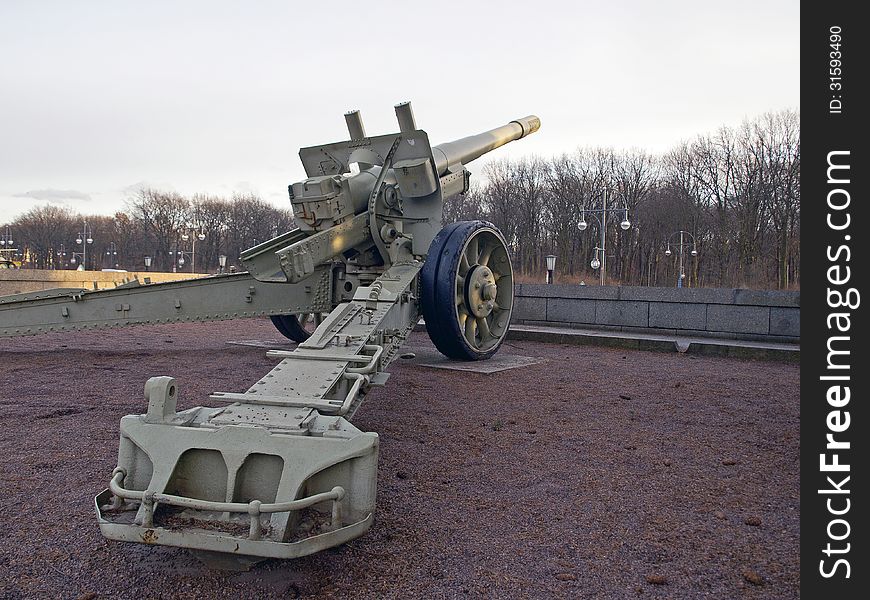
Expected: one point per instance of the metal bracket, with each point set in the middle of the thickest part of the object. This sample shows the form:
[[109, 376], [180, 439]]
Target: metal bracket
[[374, 222], [162, 396]]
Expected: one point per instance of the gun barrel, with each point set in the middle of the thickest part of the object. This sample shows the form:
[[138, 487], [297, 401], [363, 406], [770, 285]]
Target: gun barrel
[[465, 150]]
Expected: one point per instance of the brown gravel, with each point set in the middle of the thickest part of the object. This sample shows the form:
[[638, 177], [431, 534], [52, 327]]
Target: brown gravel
[[605, 469]]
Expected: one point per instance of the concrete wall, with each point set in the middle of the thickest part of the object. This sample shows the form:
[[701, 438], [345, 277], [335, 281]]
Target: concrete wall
[[713, 312], [19, 281]]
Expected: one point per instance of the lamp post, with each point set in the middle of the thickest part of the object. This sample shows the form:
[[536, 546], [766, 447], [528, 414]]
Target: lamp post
[[193, 235], [600, 251], [222, 262], [7, 245], [6, 239], [84, 239], [551, 266], [681, 246], [147, 263], [61, 255], [112, 253]]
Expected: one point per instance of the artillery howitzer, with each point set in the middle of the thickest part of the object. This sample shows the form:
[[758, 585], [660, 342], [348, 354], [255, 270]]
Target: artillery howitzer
[[281, 460]]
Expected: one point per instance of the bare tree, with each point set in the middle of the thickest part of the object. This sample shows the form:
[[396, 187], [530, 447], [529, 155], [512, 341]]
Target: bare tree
[[737, 191], [465, 207], [163, 215], [41, 231]]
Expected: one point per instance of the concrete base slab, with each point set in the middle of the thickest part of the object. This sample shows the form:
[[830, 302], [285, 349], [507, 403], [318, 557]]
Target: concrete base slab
[[500, 362], [288, 345], [426, 357]]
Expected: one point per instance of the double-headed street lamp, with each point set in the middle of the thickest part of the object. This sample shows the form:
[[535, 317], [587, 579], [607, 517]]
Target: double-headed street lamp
[[84, 239], [193, 235], [7, 245], [681, 246], [112, 253], [6, 239], [600, 251], [61, 255]]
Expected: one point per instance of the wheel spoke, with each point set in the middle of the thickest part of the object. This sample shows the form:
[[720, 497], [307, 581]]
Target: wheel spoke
[[483, 326], [470, 331], [486, 254], [463, 265], [472, 250]]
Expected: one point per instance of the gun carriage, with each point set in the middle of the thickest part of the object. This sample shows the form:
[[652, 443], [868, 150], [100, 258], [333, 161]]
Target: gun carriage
[[279, 470]]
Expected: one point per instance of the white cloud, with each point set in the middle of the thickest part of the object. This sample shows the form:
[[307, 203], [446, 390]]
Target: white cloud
[[53, 196]]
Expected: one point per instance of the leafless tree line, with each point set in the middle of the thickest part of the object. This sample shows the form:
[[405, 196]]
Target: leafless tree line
[[154, 224], [737, 191]]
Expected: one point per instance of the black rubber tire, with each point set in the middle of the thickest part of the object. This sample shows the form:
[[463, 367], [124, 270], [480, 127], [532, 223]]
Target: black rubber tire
[[289, 327], [438, 285]]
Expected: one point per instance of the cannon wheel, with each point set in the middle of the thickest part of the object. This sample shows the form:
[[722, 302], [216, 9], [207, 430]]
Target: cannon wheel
[[297, 327], [467, 290]]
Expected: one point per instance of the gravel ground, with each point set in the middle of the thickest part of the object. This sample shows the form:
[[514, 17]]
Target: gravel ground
[[599, 473]]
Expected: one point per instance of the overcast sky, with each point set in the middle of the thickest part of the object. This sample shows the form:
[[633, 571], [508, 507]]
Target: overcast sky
[[97, 98]]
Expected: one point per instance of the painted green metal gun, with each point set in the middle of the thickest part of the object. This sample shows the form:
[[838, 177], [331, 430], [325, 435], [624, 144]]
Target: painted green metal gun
[[282, 459]]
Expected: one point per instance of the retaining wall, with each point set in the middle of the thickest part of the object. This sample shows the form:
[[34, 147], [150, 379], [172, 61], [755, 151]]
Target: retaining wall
[[704, 312], [20, 281]]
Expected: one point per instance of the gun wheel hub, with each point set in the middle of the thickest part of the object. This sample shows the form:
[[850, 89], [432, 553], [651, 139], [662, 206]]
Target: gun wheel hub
[[479, 293]]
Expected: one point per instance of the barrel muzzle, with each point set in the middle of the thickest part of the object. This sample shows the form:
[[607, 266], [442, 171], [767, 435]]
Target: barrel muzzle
[[529, 124]]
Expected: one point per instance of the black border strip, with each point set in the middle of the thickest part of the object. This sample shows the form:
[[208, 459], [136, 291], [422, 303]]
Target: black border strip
[[826, 129]]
